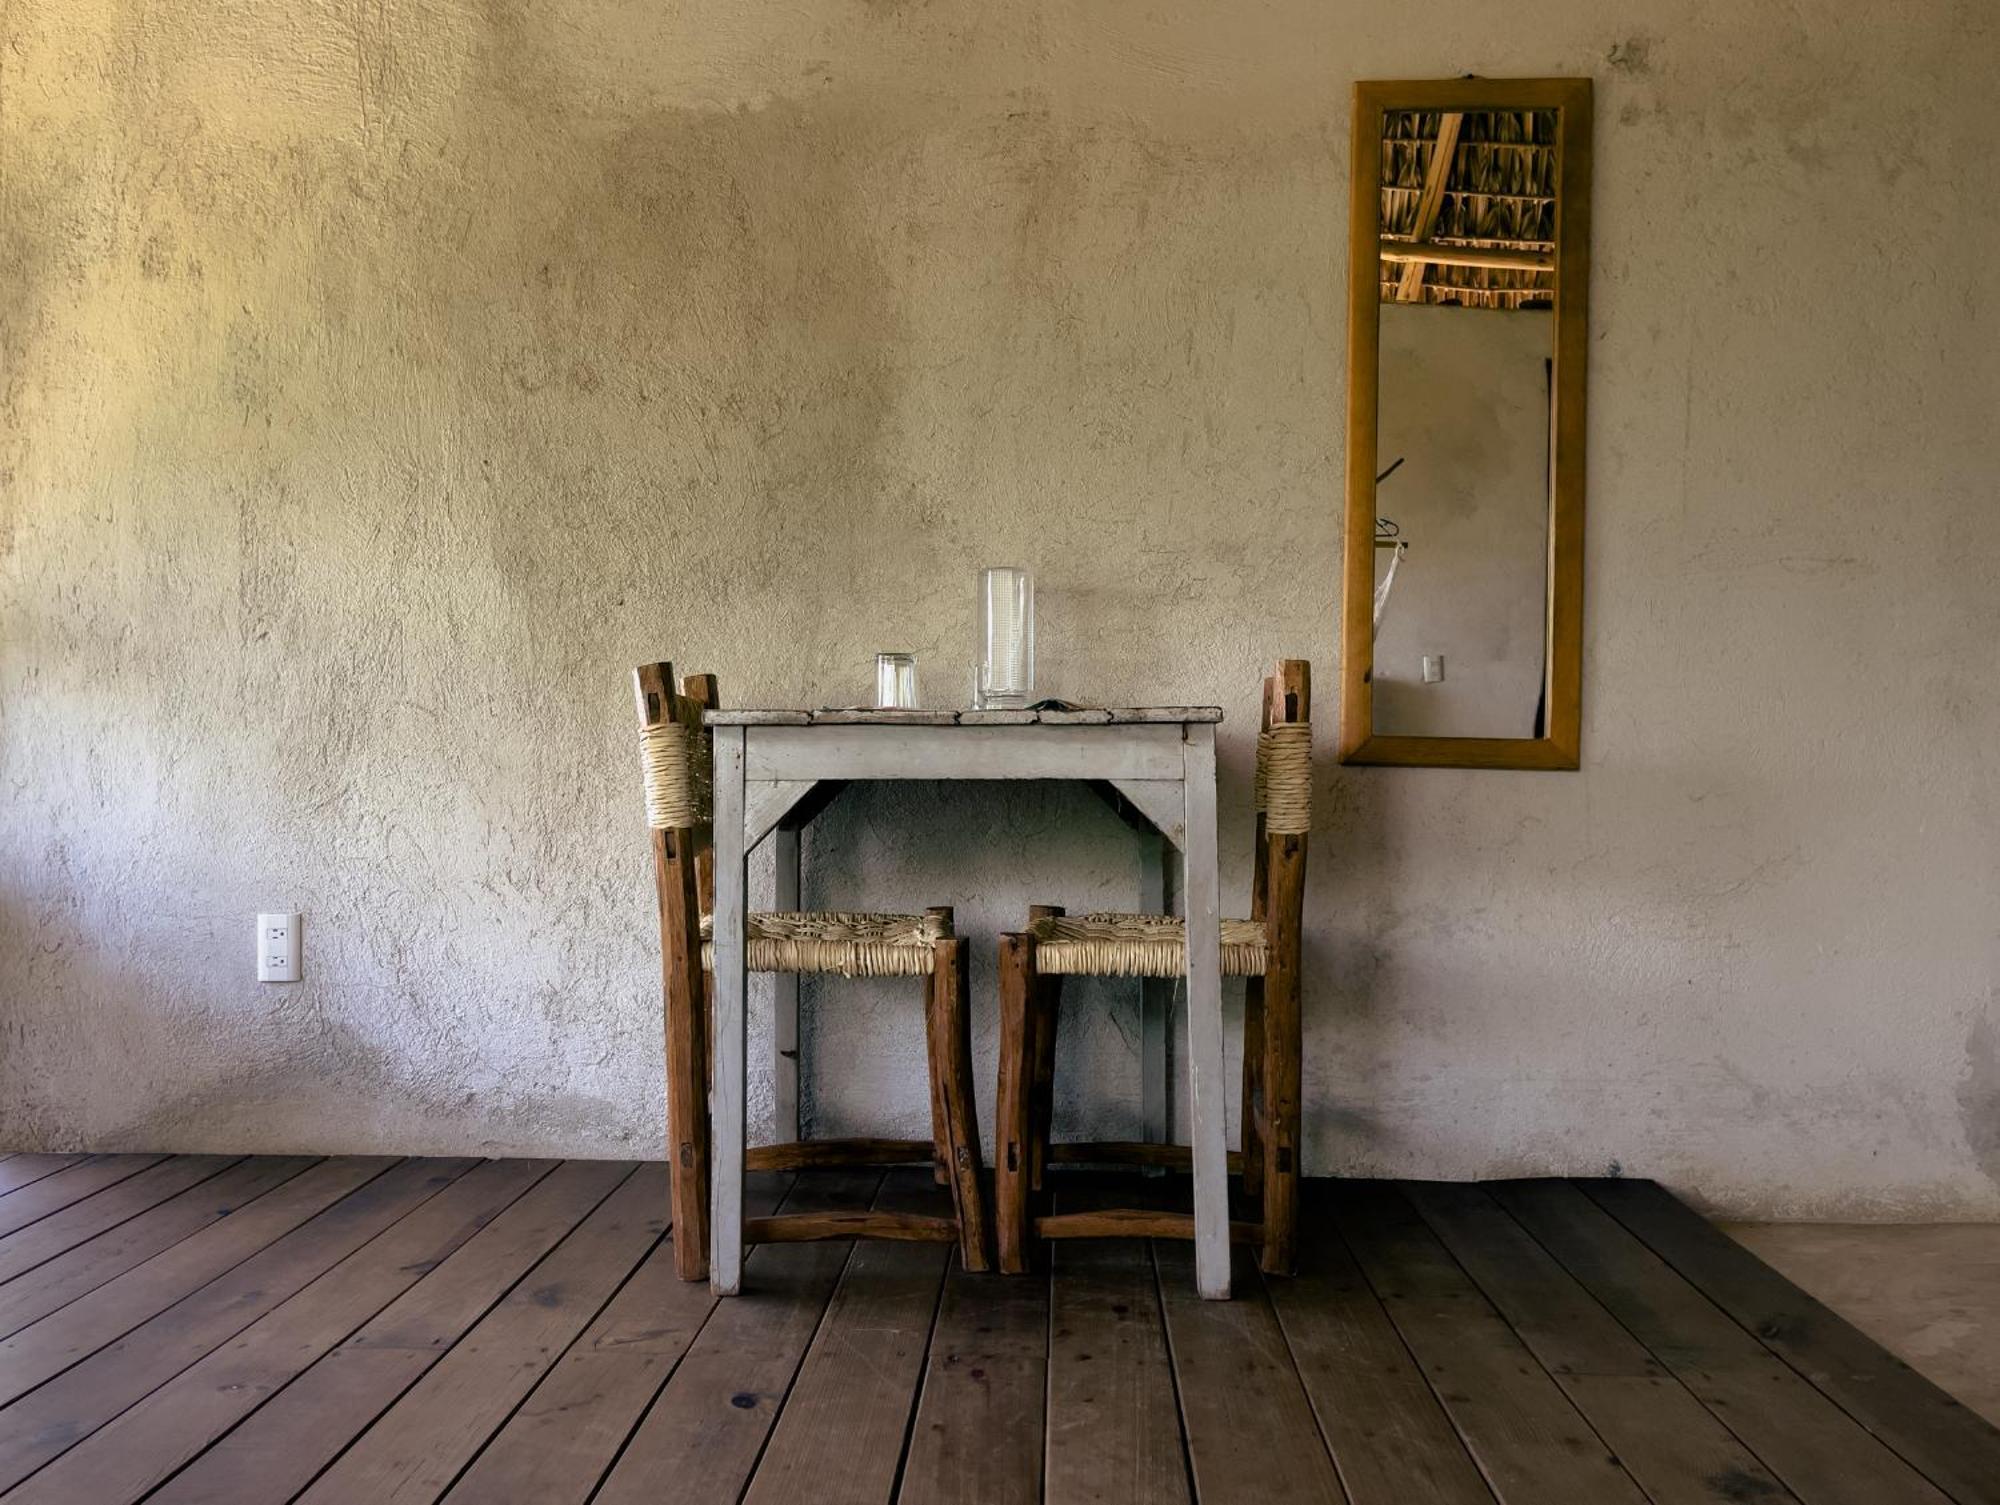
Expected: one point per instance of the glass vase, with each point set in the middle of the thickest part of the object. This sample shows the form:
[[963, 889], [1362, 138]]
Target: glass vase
[[1006, 638]]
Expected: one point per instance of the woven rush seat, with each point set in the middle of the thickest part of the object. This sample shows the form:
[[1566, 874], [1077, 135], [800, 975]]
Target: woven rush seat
[[1138, 945], [1264, 951], [848, 944]]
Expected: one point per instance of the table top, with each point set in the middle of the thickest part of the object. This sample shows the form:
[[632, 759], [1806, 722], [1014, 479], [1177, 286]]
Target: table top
[[863, 716]]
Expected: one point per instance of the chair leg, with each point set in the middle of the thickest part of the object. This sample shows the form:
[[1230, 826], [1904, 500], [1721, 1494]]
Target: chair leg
[[948, 1031], [687, 1062], [940, 1132], [940, 1136], [1047, 999], [1014, 1131], [1253, 1088], [1283, 1041]]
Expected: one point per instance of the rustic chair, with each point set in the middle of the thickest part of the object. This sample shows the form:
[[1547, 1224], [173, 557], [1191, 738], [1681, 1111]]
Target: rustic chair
[[1264, 949], [674, 756]]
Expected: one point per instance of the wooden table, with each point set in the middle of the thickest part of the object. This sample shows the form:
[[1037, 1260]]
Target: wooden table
[[770, 764]]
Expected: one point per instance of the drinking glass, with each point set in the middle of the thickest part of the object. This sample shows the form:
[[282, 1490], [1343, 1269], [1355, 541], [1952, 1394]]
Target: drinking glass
[[896, 681]]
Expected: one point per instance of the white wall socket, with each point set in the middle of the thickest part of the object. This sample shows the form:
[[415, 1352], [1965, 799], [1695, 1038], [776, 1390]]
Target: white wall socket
[[1433, 668], [278, 948]]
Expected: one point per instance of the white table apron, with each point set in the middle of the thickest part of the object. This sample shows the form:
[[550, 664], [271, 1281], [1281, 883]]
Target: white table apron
[[1162, 762]]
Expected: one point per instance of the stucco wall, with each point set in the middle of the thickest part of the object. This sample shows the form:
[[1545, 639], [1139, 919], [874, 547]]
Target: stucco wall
[[381, 382]]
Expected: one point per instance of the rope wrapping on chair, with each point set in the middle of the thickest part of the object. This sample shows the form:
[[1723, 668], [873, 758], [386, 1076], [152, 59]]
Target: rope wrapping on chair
[[845, 943], [1284, 778], [701, 757], [673, 800], [1138, 945]]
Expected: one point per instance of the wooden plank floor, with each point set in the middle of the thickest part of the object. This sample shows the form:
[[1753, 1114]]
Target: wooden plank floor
[[217, 1328]]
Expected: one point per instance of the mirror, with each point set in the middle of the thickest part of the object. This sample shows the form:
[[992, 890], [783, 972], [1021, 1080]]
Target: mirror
[[1461, 629]]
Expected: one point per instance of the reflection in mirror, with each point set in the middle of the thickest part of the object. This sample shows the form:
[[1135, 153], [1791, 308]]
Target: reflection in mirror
[[1464, 422]]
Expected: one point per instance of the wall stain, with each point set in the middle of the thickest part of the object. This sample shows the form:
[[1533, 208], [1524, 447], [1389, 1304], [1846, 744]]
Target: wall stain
[[1979, 1090], [1633, 55]]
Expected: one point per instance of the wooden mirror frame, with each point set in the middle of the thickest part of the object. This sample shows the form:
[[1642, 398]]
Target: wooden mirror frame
[[1560, 745]]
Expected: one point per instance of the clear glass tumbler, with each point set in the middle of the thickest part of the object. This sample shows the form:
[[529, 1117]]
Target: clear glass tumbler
[[896, 681], [1006, 638]]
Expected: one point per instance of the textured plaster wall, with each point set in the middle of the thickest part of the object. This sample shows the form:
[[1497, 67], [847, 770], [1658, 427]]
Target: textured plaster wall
[[382, 381]]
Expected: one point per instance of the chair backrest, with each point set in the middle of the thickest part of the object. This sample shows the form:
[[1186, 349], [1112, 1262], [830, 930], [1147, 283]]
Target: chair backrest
[[703, 694], [673, 748], [672, 756], [675, 758], [1284, 795]]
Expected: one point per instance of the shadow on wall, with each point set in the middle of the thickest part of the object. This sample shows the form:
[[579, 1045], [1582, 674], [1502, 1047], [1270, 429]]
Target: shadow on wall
[[1429, 1041], [296, 1080], [1979, 1089], [1443, 1027], [988, 850]]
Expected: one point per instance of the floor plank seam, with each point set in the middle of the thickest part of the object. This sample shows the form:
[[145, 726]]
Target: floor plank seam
[[1667, 1369], [166, 1249], [805, 1356], [217, 1347], [223, 1438], [1590, 1426], [1173, 1367], [791, 1383], [715, 1309], [43, 1176], [1336, 1227], [221, 1274], [488, 1218], [1831, 1395], [1049, 1369], [485, 1312], [1367, 1294], [667, 1379], [1298, 1375], [583, 1331], [113, 1227], [639, 1422], [166, 1380], [147, 1164], [923, 1379]]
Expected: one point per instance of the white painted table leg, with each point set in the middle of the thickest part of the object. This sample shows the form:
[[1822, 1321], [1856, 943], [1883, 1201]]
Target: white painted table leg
[[726, 1088], [785, 998], [1206, 1089], [1156, 1002]]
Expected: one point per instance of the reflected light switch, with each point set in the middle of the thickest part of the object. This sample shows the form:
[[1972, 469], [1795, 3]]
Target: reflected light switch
[[1433, 668]]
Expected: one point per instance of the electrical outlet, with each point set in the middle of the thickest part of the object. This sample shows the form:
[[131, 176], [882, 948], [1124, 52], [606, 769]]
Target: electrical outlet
[[1433, 668], [278, 947]]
